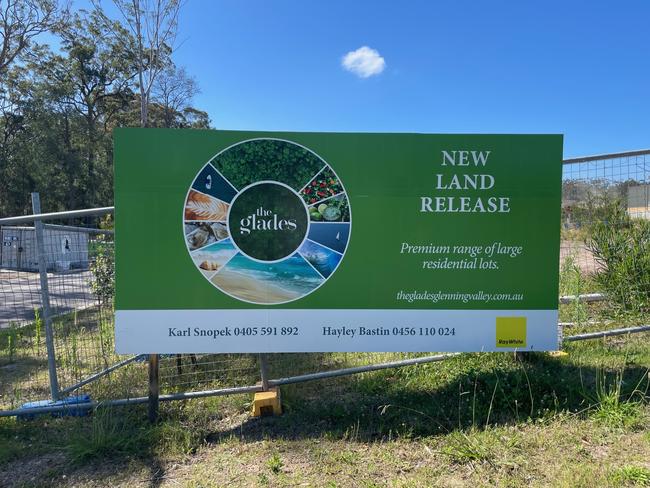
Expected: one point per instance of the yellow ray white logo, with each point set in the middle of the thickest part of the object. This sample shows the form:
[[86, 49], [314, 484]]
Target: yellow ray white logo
[[511, 332]]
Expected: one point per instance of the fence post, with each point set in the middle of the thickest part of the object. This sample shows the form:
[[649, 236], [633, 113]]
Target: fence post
[[264, 372], [154, 387], [45, 297]]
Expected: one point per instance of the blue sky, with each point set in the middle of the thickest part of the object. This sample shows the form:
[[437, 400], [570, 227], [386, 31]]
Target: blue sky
[[573, 67]]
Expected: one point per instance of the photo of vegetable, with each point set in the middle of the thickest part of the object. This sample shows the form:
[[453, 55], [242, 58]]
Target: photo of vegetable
[[334, 209], [325, 185]]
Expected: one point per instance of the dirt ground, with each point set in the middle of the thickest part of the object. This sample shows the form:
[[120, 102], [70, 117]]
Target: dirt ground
[[582, 256]]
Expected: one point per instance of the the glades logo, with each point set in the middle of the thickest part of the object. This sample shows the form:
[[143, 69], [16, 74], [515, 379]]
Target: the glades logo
[[268, 221], [265, 220]]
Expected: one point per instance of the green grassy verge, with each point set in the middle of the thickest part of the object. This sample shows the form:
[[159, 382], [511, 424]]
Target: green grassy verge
[[474, 420], [478, 419]]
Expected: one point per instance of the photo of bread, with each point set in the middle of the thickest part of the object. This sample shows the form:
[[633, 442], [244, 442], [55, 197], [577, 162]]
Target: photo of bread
[[200, 206]]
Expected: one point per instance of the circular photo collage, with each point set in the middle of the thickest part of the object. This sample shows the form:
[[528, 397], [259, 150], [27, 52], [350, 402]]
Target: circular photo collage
[[266, 221]]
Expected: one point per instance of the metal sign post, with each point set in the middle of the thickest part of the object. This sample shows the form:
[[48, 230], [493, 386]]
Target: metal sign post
[[264, 372], [45, 297]]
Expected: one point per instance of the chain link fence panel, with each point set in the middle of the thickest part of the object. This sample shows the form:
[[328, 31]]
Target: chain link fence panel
[[78, 255]]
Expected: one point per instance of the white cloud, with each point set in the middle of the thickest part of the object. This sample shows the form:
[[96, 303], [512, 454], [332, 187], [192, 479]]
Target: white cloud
[[364, 62]]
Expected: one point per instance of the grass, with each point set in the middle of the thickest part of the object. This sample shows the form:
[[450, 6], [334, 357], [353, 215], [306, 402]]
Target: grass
[[612, 407], [107, 434], [573, 282], [477, 419], [474, 420], [473, 446], [630, 475]]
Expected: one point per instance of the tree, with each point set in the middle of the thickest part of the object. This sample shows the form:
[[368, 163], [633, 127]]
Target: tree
[[58, 109], [170, 105], [20, 22], [174, 91], [94, 79], [154, 25]]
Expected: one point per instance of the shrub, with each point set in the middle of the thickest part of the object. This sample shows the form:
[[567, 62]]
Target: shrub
[[621, 246], [103, 270]]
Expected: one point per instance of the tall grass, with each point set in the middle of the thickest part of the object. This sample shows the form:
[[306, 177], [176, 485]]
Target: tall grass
[[612, 405], [574, 283]]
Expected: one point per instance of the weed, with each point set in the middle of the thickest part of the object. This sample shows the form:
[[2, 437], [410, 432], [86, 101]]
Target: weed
[[38, 324], [573, 283], [370, 484], [637, 475], [346, 457], [172, 438], [275, 463], [103, 271], [201, 484], [464, 448], [612, 407], [11, 345], [352, 432], [109, 435]]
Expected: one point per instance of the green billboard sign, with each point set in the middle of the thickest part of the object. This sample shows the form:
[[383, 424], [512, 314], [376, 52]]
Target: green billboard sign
[[274, 242]]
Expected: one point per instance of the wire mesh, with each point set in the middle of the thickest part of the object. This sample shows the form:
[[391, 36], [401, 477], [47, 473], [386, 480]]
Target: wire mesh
[[79, 259], [589, 185]]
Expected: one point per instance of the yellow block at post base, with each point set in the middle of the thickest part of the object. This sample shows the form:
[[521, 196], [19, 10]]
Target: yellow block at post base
[[267, 403], [558, 354]]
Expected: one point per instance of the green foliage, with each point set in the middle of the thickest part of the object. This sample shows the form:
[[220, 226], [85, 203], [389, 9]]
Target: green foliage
[[106, 222], [59, 110], [275, 463], [621, 246], [630, 474], [38, 325], [463, 448], [612, 407], [103, 270], [268, 160], [119, 433]]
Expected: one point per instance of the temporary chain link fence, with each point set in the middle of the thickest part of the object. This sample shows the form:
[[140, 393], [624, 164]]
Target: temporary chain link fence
[[56, 310]]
